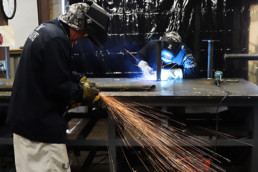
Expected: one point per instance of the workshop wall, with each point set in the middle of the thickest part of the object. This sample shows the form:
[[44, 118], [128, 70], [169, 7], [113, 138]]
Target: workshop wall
[[253, 44], [55, 8], [24, 21], [135, 22]]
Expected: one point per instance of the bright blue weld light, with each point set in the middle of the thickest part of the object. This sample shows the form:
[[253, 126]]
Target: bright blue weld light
[[166, 56], [165, 75]]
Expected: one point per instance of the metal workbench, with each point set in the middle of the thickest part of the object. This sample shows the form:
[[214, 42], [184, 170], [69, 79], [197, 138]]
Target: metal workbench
[[195, 93], [188, 92]]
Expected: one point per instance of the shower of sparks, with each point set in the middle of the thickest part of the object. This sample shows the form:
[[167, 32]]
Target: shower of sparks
[[168, 148]]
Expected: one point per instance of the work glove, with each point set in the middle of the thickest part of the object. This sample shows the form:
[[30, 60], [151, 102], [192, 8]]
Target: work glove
[[84, 80], [90, 95], [90, 92], [175, 74], [146, 69]]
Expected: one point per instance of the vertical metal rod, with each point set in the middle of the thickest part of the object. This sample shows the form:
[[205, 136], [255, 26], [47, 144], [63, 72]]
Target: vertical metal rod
[[6, 62], [158, 60], [210, 59], [112, 145], [254, 164]]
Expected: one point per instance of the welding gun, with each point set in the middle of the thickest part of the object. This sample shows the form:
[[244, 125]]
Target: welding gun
[[218, 77]]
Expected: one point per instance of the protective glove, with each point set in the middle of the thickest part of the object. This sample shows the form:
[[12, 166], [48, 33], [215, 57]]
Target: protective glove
[[84, 80], [175, 74], [90, 94], [146, 69], [91, 85]]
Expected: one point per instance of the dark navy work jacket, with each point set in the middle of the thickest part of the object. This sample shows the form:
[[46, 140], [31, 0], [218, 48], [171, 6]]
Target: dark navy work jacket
[[43, 86]]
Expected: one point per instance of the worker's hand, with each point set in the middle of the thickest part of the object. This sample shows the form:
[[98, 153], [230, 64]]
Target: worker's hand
[[84, 80], [175, 74], [146, 69], [90, 94]]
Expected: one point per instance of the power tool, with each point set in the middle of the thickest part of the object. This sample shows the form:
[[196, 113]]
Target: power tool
[[218, 77]]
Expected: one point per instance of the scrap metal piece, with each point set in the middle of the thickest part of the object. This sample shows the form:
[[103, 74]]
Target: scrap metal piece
[[241, 56], [126, 87]]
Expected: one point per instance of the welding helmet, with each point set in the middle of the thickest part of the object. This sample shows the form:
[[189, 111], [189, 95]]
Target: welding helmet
[[90, 17], [172, 43]]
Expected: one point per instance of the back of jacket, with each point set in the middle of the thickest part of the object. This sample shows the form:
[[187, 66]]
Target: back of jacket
[[43, 86]]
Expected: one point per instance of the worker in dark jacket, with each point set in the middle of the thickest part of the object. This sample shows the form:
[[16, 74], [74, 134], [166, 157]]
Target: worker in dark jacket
[[175, 56], [44, 88]]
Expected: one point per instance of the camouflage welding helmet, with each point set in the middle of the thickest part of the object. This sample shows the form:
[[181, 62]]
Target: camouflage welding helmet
[[75, 15], [90, 17]]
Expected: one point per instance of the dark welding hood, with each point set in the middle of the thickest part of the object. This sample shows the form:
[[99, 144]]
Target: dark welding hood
[[172, 42], [96, 23]]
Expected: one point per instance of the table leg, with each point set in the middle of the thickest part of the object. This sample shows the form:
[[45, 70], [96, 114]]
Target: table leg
[[112, 145], [254, 164]]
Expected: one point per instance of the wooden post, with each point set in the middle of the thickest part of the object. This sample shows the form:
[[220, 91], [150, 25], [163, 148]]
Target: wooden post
[[43, 11]]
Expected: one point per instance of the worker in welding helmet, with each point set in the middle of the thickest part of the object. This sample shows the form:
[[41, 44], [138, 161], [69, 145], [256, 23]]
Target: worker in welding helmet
[[177, 59], [44, 88]]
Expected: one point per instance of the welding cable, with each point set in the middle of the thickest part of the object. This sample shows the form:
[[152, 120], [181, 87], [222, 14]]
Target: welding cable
[[136, 59], [217, 115]]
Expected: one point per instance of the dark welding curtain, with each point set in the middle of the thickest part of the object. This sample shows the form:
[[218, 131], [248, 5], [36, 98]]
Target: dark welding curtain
[[135, 22]]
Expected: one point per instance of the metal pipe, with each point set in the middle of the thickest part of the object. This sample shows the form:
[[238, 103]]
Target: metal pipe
[[241, 56], [7, 68], [158, 60], [126, 87], [210, 58]]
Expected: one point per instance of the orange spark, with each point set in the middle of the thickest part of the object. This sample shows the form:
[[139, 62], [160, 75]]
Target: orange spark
[[168, 148]]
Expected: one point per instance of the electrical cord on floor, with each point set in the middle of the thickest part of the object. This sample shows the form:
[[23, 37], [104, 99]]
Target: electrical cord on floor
[[217, 115]]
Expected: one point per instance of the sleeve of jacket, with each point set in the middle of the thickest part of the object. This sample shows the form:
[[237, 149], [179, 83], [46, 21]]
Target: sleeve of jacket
[[190, 66], [76, 76], [145, 52], [141, 55], [57, 73]]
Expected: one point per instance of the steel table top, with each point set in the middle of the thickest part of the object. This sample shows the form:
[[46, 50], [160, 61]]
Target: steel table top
[[179, 89]]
